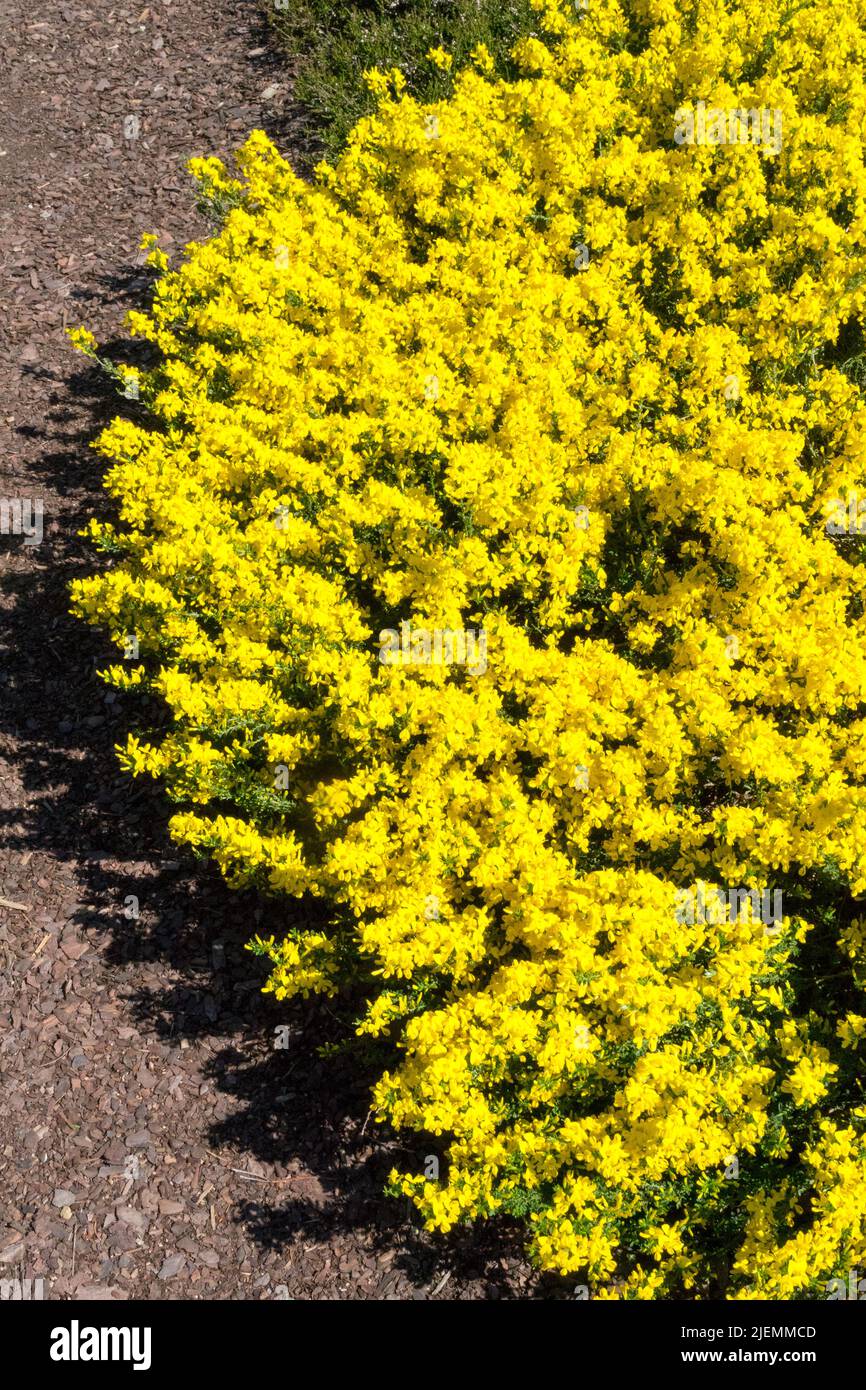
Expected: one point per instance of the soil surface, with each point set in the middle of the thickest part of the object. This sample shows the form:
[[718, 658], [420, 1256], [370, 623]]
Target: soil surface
[[155, 1140]]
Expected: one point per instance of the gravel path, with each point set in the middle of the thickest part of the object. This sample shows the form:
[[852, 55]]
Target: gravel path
[[154, 1142]]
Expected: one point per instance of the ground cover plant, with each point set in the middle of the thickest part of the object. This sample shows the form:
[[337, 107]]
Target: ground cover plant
[[493, 538]]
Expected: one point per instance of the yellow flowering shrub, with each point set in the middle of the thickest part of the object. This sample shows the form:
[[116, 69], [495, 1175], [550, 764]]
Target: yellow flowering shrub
[[549, 369]]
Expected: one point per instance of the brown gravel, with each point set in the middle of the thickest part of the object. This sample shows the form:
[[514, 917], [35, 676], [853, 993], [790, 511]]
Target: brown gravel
[[154, 1143]]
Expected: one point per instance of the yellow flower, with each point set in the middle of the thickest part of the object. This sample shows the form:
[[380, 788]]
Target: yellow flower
[[82, 339], [440, 58]]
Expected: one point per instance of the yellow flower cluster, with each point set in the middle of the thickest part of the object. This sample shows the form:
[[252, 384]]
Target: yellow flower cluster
[[527, 363]]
